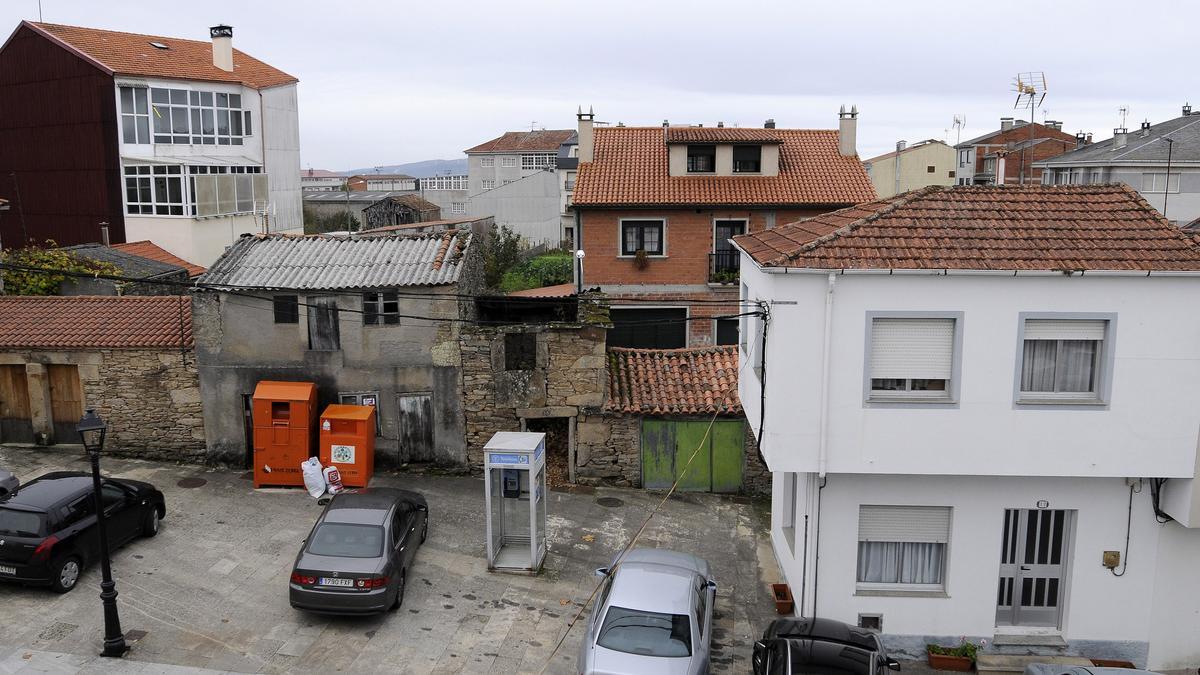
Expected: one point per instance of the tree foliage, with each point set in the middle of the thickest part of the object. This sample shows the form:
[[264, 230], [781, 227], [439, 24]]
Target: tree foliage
[[549, 269], [54, 260], [502, 252], [319, 223]]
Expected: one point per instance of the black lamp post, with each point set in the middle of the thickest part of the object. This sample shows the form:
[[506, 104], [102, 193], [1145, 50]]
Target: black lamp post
[[92, 430]]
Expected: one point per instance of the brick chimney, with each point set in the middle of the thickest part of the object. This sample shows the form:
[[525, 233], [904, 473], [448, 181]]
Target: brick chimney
[[587, 143], [1145, 128], [222, 41], [848, 131], [1006, 124], [769, 124]]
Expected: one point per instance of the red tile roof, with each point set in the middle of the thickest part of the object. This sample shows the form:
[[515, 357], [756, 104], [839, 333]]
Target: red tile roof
[[690, 381], [526, 141], [1032, 227], [95, 322], [148, 249], [132, 54], [556, 291], [721, 135], [630, 168]]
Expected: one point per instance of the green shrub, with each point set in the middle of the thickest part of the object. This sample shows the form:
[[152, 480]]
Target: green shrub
[[549, 269], [965, 648], [33, 282]]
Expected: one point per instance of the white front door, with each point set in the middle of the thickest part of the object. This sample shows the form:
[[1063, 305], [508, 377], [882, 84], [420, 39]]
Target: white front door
[[1033, 567]]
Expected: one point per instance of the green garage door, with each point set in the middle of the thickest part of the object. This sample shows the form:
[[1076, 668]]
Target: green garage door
[[668, 444]]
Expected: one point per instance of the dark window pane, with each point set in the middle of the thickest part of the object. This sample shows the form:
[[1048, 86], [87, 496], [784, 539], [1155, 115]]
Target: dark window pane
[[128, 129], [223, 122], [246, 126], [1044, 526], [179, 96], [126, 99], [139, 100], [235, 100], [174, 191], [162, 121], [727, 331], [206, 98], [143, 129], [160, 96], [1057, 538], [222, 100], [235, 124], [1052, 592], [747, 158], [1031, 528], [179, 121], [1039, 592], [1026, 592], [287, 309], [648, 328]]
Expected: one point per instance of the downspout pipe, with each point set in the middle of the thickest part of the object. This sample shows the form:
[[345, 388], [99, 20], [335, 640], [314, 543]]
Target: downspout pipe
[[823, 435]]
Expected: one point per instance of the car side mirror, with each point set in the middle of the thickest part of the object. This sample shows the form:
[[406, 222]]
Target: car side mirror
[[892, 664], [601, 571], [760, 656], [422, 507], [710, 584]]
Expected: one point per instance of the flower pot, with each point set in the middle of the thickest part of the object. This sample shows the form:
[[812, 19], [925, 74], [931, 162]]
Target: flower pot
[[784, 604], [960, 664]]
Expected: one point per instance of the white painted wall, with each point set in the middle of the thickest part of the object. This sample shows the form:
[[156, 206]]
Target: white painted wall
[[529, 207], [1150, 428], [281, 140], [197, 240], [1148, 604]]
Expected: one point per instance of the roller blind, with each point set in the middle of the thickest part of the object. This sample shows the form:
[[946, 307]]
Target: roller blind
[[1065, 329], [922, 524], [912, 348]]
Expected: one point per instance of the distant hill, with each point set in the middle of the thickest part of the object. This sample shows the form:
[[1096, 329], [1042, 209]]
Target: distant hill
[[425, 169]]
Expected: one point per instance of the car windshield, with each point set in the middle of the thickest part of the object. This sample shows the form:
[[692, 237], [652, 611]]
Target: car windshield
[[635, 631], [345, 540], [20, 523], [828, 658]]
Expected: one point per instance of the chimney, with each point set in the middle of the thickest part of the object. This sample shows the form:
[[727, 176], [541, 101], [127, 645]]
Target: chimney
[[720, 125], [1187, 109], [1006, 124], [769, 124], [222, 39], [666, 123], [586, 141], [848, 131], [1054, 124], [1145, 128], [901, 145], [1120, 138], [1080, 140]]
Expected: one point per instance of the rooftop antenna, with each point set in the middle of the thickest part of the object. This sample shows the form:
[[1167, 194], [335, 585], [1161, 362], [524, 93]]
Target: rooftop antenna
[[39, 11], [960, 121], [532, 125], [1031, 91], [1123, 111]]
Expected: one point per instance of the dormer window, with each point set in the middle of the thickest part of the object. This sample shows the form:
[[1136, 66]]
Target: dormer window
[[747, 158], [701, 158]]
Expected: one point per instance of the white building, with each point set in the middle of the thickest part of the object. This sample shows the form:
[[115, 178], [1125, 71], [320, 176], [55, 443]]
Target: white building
[[321, 180], [977, 400], [507, 178]]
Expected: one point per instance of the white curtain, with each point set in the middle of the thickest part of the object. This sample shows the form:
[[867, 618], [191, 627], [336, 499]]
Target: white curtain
[[895, 562], [1037, 369], [1059, 365]]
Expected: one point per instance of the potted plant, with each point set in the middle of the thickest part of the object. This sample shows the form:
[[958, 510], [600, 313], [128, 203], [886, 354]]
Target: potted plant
[[640, 259], [784, 604], [960, 658]]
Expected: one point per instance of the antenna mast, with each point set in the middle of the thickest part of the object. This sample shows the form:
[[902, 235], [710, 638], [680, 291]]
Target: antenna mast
[[960, 121], [1031, 91]]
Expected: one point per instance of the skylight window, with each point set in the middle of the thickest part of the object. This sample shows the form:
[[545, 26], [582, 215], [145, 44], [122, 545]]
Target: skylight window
[[159, 45]]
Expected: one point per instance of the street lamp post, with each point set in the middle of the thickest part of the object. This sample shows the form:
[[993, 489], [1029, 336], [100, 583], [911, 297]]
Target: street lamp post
[[92, 430]]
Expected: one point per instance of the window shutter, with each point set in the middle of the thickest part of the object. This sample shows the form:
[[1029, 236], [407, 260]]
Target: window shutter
[[923, 524], [912, 348], [1065, 329]]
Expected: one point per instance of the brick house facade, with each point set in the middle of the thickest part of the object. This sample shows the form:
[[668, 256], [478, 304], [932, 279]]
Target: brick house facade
[[1004, 156]]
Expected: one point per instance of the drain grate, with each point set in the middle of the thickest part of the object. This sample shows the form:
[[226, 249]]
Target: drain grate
[[192, 482], [610, 502]]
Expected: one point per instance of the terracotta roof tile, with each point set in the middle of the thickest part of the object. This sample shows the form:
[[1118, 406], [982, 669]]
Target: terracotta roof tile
[[556, 291], [132, 54], [542, 140], [694, 381], [1035, 227], [721, 135], [630, 169], [95, 322], [148, 249]]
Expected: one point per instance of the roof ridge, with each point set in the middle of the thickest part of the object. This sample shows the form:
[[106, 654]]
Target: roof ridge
[[43, 24], [896, 202]]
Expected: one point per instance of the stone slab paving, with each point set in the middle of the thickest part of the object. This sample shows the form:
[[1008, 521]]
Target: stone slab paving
[[211, 590]]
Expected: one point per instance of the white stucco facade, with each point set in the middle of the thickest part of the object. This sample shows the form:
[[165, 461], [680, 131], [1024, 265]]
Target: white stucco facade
[[981, 453]]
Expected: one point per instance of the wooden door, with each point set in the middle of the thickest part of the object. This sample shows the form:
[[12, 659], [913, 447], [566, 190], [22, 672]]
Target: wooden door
[[66, 402], [415, 428], [669, 445], [15, 423]]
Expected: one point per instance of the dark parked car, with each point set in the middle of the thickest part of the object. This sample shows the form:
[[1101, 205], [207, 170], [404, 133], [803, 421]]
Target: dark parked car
[[48, 531], [813, 645], [357, 557], [8, 483]]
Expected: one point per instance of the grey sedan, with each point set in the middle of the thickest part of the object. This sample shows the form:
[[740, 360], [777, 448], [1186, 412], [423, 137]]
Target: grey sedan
[[357, 557], [653, 615]]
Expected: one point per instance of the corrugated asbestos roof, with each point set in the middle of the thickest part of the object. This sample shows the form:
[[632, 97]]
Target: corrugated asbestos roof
[[340, 263], [95, 322], [128, 263], [693, 381]]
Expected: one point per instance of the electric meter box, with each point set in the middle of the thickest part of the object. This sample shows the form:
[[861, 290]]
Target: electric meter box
[[285, 420], [348, 442]]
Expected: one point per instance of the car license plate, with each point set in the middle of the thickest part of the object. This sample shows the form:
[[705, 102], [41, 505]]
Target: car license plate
[[5, 569], [326, 581]]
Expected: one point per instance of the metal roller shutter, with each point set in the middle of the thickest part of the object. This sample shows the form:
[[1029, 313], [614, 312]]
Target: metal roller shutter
[[912, 348], [925, 524], [1065, 329]]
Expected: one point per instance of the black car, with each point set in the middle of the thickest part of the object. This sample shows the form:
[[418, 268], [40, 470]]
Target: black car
[[357, 557], [813, 645], [48, 531]]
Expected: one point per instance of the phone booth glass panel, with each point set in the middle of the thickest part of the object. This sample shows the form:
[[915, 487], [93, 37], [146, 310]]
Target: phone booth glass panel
[[515, 485]]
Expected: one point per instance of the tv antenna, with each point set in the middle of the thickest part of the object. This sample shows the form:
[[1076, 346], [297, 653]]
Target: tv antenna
[[1031, 92], [960, 121], [1123, 111]]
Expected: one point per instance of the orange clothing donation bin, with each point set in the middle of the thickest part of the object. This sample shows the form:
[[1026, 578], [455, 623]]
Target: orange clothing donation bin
[[285, 417], [348, 442]]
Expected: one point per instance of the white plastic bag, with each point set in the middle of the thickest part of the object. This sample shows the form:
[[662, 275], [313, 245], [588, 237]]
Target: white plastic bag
[[314, 481], [333, 479]]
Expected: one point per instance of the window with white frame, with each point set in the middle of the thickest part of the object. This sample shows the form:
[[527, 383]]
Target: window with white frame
[[508, 162], [902, 547], [444, 183], [541, 160], [489, 183], [487, 162], [1097, 176], [1157, 182], [458, 207], [156, 190], [381, 308], [911, 358], [183, 116], [1062, 359]]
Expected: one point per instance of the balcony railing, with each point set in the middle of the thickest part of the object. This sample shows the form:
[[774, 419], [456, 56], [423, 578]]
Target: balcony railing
[[723, 267]]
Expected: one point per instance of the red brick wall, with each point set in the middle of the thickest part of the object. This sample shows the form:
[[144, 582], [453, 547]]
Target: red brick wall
[[689, 240], [1063, 142]]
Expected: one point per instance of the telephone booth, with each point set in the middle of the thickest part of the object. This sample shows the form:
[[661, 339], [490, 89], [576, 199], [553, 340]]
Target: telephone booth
[[348, 442], [285, 420], [515, 485]]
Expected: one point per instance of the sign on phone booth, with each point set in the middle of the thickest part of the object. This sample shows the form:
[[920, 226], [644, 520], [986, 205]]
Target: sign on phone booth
[[515, 487]]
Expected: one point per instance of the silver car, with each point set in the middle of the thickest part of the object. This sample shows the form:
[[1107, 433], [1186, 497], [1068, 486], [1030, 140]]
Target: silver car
[[653, 615], [357, 557]]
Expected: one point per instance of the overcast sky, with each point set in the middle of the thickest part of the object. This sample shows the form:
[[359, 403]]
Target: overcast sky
[[393, 82]]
